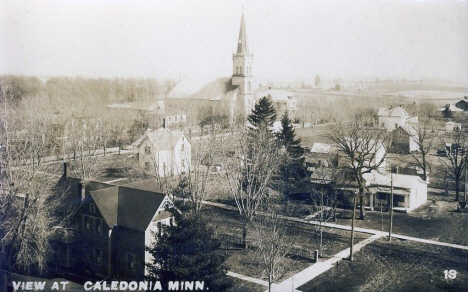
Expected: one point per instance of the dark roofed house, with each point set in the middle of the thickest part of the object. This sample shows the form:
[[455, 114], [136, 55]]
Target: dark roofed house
[[112, 225]]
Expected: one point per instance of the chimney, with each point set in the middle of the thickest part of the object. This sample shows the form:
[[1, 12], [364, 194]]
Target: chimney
[[82, 191], [64, 175]]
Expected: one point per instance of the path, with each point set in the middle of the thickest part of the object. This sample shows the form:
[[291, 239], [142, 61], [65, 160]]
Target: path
[[317, 269]]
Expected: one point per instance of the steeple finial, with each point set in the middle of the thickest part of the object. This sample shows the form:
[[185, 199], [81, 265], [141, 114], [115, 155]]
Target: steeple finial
[[242, 46]]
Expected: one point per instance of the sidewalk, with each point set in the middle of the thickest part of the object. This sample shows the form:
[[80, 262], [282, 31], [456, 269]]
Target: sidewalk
[[317, 269]]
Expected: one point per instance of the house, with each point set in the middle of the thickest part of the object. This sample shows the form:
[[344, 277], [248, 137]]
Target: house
[[405, 139], [463, 104], [163, 152], [449, 110], [282, 101], [394, 117], [409, 191], [110, 227], [451, 126]]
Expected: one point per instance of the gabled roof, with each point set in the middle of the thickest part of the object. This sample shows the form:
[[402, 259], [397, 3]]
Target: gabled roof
[[392, 112], [451, 108], [132, 206], [220, 89], [321, 148], [161, 139], [276, 95], [409, 129], [70, 186]]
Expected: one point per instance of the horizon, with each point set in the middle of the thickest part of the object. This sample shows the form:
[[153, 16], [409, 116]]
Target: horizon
[[290, 41]]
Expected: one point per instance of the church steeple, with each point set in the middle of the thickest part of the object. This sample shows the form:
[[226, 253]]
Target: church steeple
[[242, 46], [242, 74]]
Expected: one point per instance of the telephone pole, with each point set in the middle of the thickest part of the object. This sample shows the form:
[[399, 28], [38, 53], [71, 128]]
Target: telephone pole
[[391, 208]]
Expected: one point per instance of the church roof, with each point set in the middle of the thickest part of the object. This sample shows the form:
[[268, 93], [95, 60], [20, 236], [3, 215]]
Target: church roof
[[242, 45], [220, 89]]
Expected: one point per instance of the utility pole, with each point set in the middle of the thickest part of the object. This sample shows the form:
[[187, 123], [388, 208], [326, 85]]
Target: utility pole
[[352, 229], [391, 208]]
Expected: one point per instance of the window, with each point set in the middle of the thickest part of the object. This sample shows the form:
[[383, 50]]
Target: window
[[176, 118], [130, 261], [98, 226], [381, 196], [240, 70], [383, 125], [183, 163], [396, 126], [147, 165], [57, 252], [148, 150], [87, 254], [249, 86], [98, 255], [183, 146], [86, 223], [160, 228], [92, 208]]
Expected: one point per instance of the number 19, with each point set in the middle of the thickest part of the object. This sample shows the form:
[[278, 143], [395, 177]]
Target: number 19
[[450, 274]]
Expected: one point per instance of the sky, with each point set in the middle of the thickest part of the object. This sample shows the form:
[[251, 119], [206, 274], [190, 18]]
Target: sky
[[350, 39]]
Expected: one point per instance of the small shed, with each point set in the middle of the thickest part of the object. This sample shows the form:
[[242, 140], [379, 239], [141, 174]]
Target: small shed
[[452, 126]]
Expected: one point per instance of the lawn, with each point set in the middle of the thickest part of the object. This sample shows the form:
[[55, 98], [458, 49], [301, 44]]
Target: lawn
[[299, 235], [244, 286], [441, 224], [396, 266]]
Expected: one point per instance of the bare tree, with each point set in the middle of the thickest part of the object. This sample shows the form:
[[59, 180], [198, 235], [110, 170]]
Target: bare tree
[[454, 164], [198, 180], [324, 200], [27, 220], [424, 141], [251, 175], [364, 150], [84, 140], [272, 245]]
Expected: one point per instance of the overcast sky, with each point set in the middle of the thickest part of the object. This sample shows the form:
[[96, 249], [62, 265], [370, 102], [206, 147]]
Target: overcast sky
[[289, 39]]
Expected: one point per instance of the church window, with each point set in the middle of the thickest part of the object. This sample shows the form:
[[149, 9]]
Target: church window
[[249, 87], [241, 70]]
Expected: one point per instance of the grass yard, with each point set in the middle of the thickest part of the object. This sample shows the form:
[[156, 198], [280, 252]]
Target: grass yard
[[245, 286], [301, 236], [396, 266]]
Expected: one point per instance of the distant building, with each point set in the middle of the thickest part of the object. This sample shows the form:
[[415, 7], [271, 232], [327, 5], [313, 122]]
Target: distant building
[[409, 191], [110, 228], [375, 155], [394, 117], [163, 152], [282, 101], [405, 139], [463, 104], [452, 126]]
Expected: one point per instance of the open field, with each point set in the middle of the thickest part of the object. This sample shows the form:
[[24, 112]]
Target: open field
[[396, 266]]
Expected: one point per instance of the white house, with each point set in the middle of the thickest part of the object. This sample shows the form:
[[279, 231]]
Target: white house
[[409, 191], [451, 126], [282, 101], [394, 117], [163, 152]]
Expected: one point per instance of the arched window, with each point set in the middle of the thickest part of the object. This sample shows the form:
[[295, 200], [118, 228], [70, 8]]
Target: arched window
[[241, 70], [249, 87]]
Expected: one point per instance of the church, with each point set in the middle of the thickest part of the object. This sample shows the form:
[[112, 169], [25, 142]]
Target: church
[[231, 97]]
